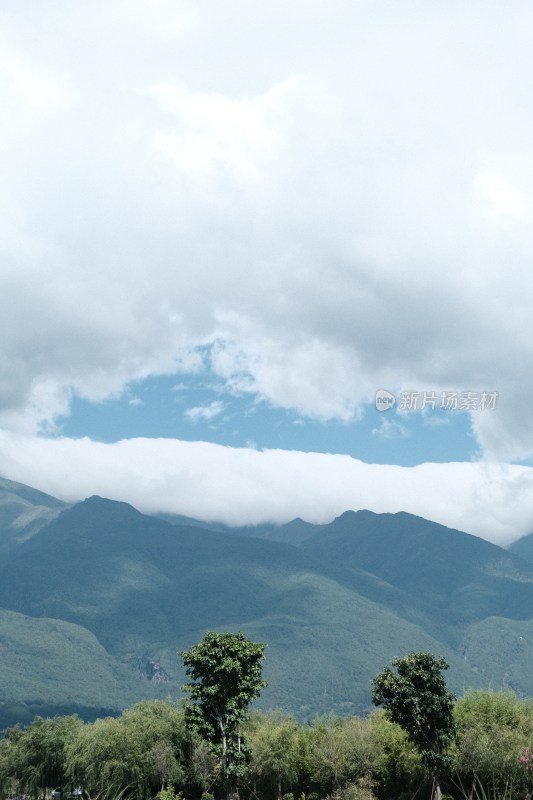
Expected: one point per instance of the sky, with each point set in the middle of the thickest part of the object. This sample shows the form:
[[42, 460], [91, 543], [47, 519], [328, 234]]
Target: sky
[[268, 260]]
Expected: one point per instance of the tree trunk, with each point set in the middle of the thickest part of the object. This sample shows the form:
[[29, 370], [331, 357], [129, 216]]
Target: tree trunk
[[279, 788], [231, 788], [436, 793]]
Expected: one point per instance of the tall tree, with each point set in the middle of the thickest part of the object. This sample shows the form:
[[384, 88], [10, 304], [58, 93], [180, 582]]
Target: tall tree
[[416, 698], [226, 670]]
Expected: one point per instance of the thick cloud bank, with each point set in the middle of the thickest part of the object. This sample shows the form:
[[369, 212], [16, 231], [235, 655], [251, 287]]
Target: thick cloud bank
[[245, 486], [313, 199]]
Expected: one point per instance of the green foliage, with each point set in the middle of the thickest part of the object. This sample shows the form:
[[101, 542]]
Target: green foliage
[[142, 751], [342, 758], [493, 730], [226, 672], [393, 763], [149, 752], [34, 760], [336, 752], [202, 764], [168, 794], [275, 752], [416, 698]]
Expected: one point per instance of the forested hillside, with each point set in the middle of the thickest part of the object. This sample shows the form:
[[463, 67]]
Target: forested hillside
[[123, 592]]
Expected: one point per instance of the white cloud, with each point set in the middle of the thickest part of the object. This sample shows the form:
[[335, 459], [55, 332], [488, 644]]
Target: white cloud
[[241, 486], [206, 413], [217, 133], [28, 83], [504, 199], [390, 429], [334, 196]]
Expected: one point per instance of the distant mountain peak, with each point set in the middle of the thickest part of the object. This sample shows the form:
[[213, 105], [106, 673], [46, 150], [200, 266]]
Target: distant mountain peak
[[351, 513], [95, 501]]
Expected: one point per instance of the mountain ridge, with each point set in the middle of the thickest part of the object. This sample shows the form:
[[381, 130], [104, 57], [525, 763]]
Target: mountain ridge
[[335, 603], [23, 512]]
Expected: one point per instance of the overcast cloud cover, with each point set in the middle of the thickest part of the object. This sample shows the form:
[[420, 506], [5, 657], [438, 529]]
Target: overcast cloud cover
[[311, 199]]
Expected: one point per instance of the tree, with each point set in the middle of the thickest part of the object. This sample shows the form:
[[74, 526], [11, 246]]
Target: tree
[[275, 752], [139, 753], [392, 760], [416, 698], [226, 668], [334, 754], [34, 759], [492, 729]]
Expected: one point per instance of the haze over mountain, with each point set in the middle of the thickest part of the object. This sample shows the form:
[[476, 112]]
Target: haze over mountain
[[99, 598], [23, 512]]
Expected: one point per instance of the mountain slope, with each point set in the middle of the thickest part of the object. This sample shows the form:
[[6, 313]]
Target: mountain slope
[[523, 547], [146, 589], [458, 579], [23, 512], [48, 664], [334, 607], [293, 532]]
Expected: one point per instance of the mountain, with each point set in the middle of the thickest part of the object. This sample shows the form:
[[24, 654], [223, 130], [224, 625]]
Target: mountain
[[23, 512], [472, 595], [457, 578], [294, 532], [146, 589], [523, 547], [49, 666], [335, 603]]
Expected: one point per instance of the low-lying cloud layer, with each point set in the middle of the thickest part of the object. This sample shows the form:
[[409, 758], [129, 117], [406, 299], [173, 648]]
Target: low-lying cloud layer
[[325, 198], [246, 486]]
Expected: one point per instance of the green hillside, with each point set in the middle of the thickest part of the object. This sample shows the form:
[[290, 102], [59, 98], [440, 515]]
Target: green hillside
[[146, 589], [458, 579], [23, 512], [124, 575], [335, 603], [501, 651], [48, 664]]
